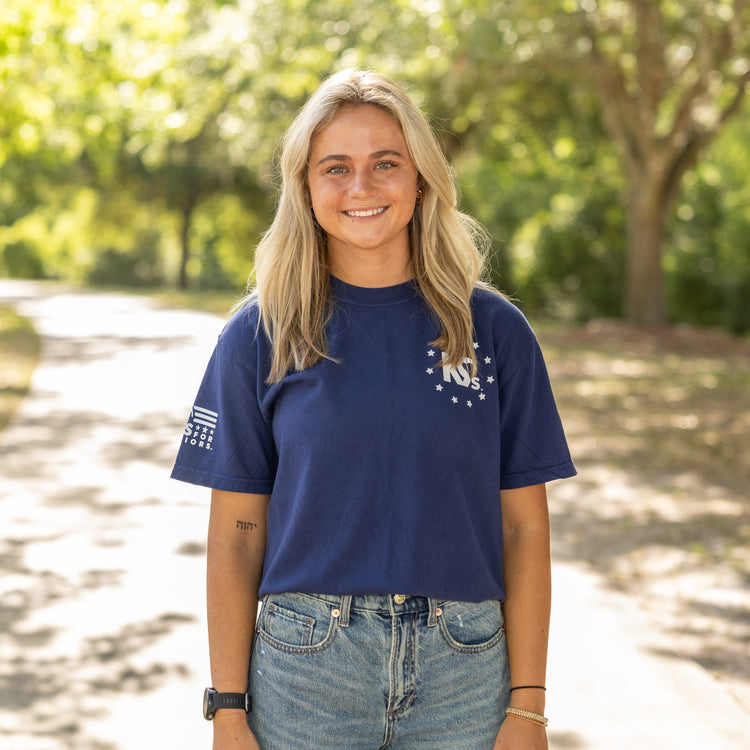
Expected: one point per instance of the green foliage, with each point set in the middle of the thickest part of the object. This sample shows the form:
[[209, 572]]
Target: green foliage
[[708, 259], [19, 351], [137, 140], [19, 260], [138, 267]]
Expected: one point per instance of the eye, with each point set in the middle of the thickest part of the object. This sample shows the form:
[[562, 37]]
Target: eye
[[384, 165], [336, 169]]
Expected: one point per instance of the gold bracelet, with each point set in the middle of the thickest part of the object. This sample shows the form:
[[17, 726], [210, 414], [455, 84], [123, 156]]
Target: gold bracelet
[[538, 719]]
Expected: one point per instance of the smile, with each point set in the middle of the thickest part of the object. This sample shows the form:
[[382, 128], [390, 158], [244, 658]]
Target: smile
[[368, 212]]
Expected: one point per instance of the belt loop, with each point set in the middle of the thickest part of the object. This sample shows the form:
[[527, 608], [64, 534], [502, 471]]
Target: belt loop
[[263, 605], [432, 617], [345, 606]]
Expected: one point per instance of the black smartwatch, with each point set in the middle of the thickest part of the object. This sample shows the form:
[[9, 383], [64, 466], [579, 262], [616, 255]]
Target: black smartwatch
[[213, 701]]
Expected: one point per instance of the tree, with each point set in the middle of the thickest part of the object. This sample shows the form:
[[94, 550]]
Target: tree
[[669, 75], [173, 111]]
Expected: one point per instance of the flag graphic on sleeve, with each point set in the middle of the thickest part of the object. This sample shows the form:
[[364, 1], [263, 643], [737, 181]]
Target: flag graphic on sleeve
[[204, 416], [199, 431]]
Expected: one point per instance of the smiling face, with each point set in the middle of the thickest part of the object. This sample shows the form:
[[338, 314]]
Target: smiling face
[[363, 187]]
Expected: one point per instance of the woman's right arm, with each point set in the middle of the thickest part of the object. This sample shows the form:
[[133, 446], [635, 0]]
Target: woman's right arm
[[236, 547]]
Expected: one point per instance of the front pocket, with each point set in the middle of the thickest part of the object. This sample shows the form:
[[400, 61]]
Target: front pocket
[[303, 629], [288, 627], [471, 627]]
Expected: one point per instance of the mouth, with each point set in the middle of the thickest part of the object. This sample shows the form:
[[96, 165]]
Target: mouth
[[365, 213]]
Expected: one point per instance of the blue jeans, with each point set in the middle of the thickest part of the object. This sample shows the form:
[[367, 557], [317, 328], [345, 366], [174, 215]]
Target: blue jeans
[[377, 672]]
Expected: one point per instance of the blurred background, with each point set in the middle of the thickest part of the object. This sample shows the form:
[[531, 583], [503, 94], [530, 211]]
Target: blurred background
[[604, 144]]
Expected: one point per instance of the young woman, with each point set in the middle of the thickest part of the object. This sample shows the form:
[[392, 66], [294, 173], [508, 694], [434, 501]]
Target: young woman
[[377, 427]]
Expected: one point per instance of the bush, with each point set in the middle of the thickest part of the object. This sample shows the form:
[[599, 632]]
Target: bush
[[20, 260], [140, 267]]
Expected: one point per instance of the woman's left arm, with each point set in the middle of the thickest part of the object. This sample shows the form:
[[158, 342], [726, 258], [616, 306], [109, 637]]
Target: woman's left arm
[[526, 560]]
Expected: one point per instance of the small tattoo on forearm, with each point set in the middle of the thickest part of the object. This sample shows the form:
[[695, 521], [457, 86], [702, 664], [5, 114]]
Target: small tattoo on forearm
[[246, 525]]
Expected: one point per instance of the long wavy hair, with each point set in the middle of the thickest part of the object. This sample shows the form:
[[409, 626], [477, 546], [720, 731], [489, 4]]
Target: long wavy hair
[[291, 279]]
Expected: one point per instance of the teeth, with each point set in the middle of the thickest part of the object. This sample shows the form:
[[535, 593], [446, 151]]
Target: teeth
[[362, 214]]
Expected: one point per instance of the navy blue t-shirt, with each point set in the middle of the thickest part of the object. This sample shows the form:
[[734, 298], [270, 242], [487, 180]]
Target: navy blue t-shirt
[[384, 468]]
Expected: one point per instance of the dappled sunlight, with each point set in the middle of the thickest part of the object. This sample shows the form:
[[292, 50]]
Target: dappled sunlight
[[664, 401], [659, 426], [101, 562]]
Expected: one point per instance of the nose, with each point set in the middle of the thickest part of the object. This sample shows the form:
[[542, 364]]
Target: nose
[[361, 182]]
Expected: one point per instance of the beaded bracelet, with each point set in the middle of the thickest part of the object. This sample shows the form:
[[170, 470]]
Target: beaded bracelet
[[538, 719]]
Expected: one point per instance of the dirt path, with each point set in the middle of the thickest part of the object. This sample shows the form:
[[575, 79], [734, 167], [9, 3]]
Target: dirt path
[[659, 422], [101, 557], [101, 563]]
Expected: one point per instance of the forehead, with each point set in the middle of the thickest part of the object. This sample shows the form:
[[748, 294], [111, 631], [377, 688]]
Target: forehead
[[359, 125]]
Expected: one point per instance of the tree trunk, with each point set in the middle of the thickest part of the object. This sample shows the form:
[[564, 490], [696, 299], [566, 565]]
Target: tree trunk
[[644, 298], [187, 217]]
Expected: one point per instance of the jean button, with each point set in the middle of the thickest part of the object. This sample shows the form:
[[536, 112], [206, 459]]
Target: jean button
[[399, 598]]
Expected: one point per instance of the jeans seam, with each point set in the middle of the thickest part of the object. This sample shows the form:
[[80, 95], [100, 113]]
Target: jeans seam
[[301, 650], [462, 648], [412, 670]]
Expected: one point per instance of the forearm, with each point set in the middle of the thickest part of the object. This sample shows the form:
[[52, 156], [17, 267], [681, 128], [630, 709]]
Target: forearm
[[526, 545], [236, 546]]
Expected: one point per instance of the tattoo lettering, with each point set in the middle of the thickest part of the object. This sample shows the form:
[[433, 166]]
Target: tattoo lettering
[[246, 525]]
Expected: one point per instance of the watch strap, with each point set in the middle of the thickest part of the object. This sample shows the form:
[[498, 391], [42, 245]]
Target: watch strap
[[213, 701], [231, 700]]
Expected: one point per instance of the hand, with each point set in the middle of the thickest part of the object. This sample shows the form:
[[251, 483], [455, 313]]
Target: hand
[[518, 734], [231, 732]]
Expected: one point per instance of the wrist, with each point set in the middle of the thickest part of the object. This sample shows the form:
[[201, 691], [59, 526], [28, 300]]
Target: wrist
[[531, 717], [215, 701], [228, 716], [529, 698]]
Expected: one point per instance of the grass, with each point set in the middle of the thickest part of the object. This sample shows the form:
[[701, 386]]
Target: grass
[[19, 351]]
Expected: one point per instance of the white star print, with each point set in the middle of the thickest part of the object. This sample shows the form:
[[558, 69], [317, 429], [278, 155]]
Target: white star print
[[441, 387]]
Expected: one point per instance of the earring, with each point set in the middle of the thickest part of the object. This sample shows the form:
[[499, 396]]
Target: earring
[[420, 195]]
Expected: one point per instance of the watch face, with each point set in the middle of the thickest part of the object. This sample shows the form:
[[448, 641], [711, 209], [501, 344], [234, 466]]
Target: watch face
[[208, 709]]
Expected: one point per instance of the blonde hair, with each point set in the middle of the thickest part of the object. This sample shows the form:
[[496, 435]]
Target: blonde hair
[[291, 277]]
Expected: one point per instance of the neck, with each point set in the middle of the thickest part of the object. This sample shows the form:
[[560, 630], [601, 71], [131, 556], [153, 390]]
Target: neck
[[360, 272]]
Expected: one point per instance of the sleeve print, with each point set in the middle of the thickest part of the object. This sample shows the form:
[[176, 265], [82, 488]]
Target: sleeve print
[[200, 428]]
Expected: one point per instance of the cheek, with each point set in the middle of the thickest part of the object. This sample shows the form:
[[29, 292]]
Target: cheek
[[323, 208], [314, 199], [320, 197], [317, 209]]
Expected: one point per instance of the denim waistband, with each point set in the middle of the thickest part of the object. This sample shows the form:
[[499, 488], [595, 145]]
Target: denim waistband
[[386, 604]]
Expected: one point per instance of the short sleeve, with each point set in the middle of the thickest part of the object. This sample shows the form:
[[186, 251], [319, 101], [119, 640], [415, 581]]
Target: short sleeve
[[228, 442], [533, 445]]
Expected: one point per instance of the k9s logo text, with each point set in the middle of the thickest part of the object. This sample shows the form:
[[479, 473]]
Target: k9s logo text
[[456, 382], [460, 375]]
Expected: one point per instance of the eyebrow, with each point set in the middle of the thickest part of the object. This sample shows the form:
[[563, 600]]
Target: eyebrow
[[375, 155]]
